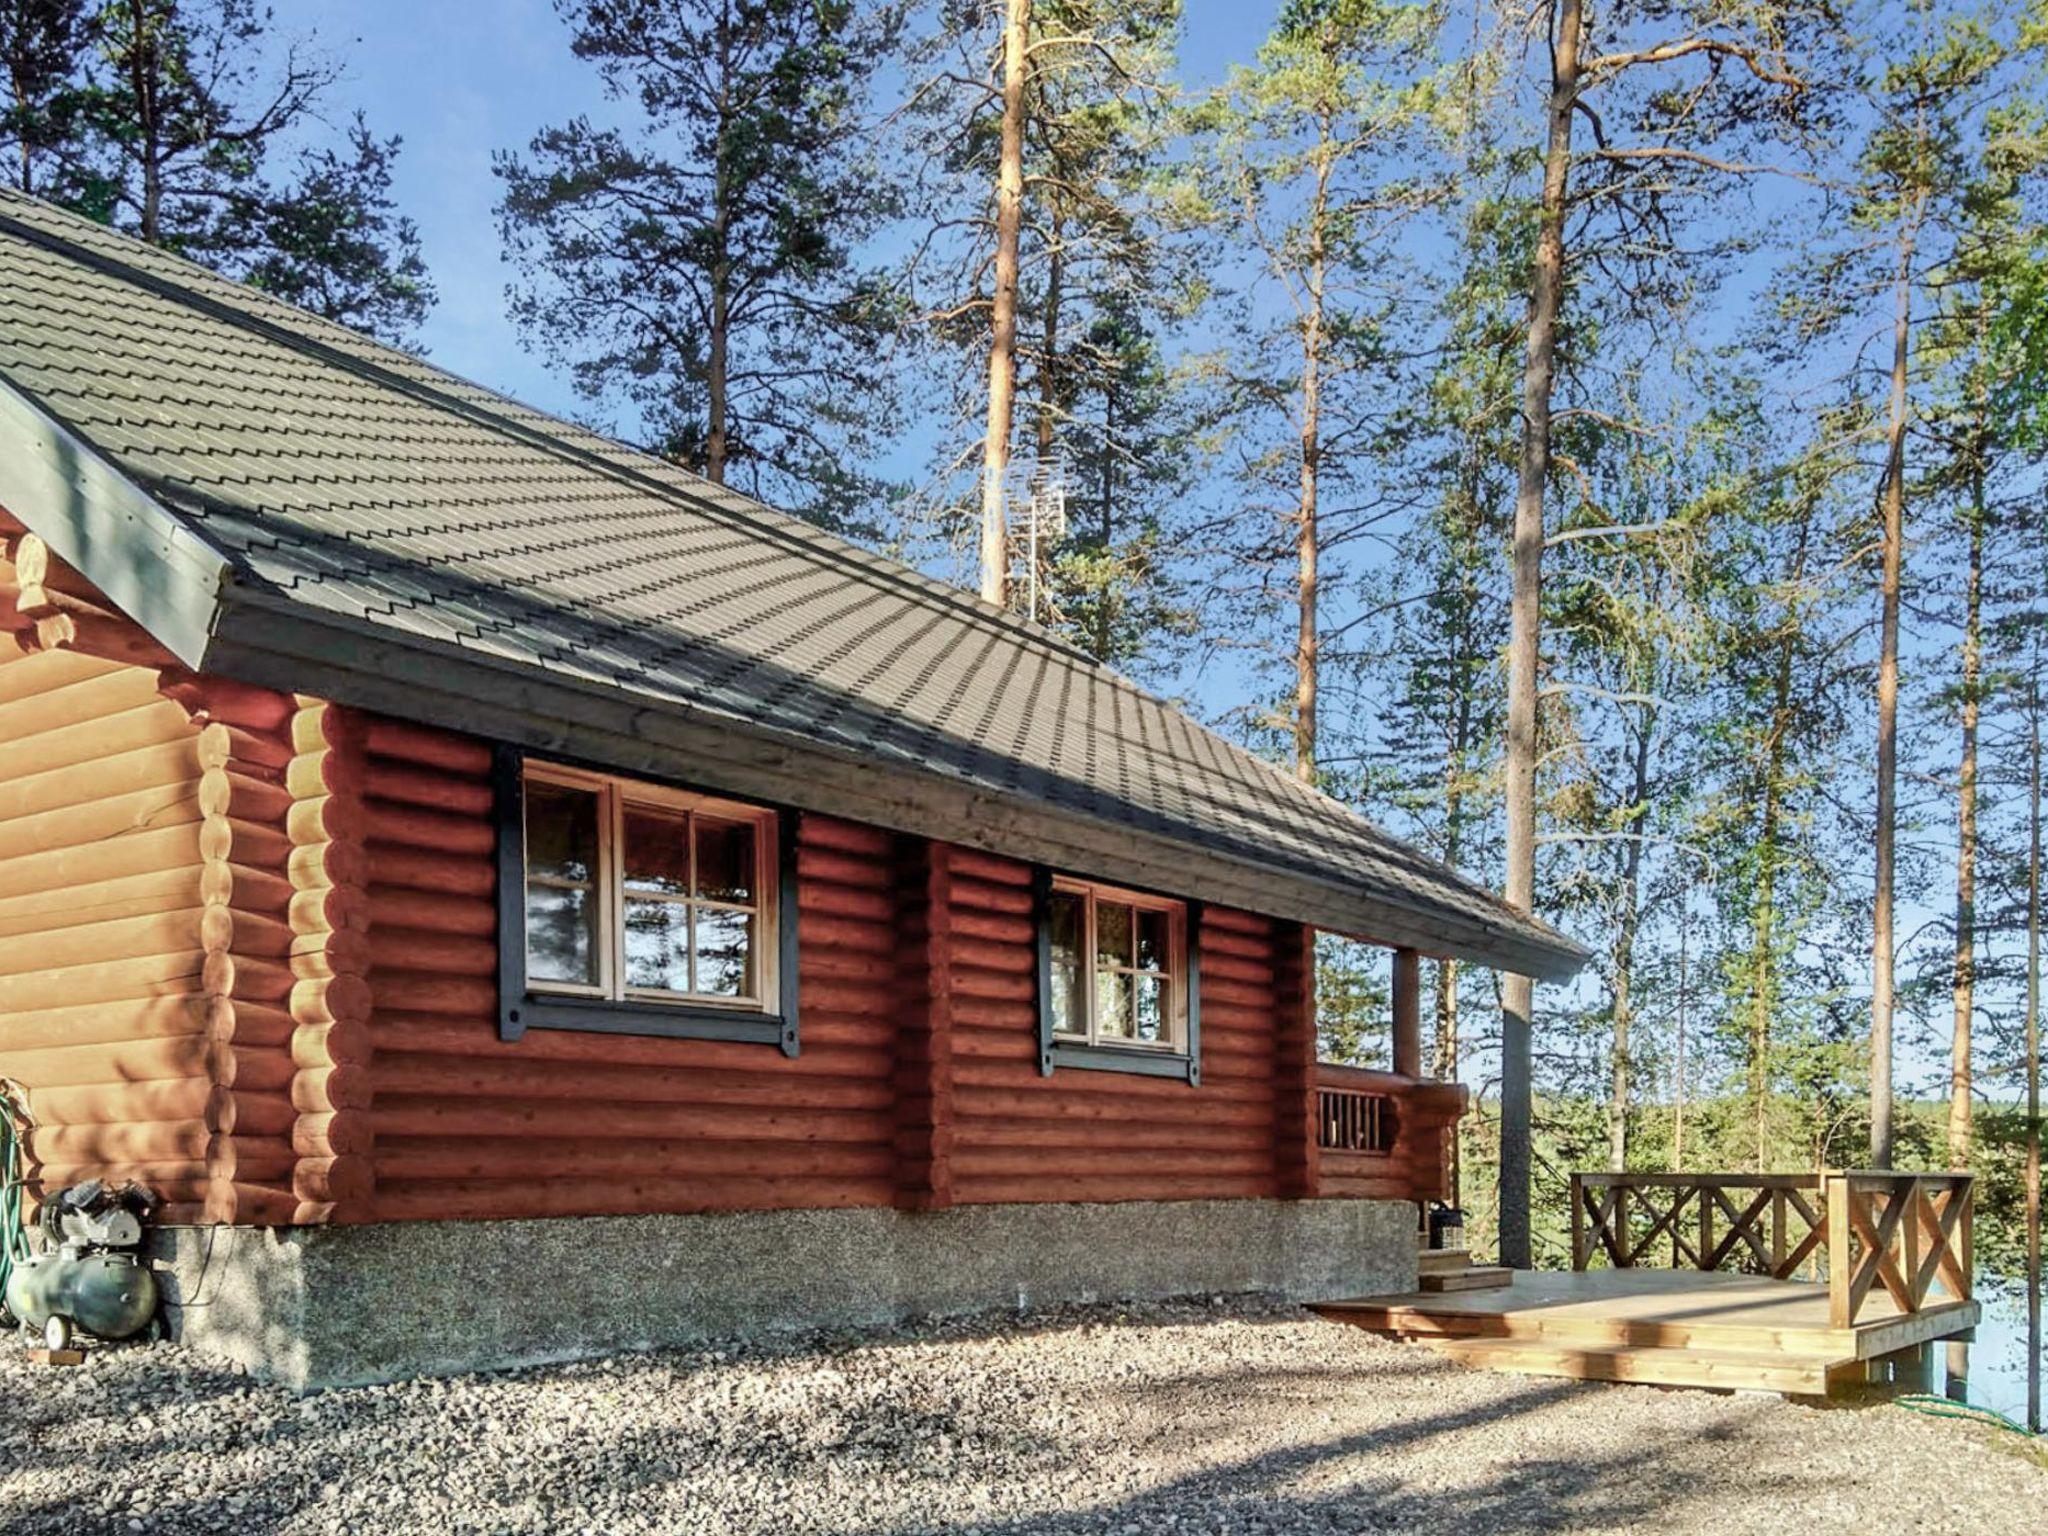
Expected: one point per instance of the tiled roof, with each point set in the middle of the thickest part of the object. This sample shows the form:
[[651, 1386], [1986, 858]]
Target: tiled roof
[[365, 484]]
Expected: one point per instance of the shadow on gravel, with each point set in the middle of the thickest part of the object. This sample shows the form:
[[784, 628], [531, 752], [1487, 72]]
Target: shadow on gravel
[[1628, 1487]]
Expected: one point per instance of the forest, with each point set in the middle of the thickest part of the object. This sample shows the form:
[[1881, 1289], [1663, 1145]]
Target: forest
[[1599, 441]]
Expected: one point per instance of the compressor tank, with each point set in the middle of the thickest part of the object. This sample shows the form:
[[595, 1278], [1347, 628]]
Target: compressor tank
[[108, 1294]]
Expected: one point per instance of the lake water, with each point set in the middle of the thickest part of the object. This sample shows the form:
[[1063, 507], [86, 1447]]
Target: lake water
[[1998, 1358]]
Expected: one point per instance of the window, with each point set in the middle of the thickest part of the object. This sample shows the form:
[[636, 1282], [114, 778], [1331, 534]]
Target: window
[[635, 907], [1117, 980]]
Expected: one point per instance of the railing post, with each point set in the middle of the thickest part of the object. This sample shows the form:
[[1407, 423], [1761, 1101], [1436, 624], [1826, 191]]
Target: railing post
[[1704, 1260], [1841, 1248], [1407, 1013], [1578, 1221]]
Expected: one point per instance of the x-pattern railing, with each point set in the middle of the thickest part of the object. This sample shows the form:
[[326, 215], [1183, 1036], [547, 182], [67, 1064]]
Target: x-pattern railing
[[1763, 1223], [1908, 1233]]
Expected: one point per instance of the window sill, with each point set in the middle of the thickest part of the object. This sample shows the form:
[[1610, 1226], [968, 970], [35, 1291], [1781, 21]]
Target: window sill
[[1136, 1060], [675, 1021]]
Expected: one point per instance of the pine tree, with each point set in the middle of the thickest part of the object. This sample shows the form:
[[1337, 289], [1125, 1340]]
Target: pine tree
[[1308, 158], [42, 50], [703, 267], [1671, 99]]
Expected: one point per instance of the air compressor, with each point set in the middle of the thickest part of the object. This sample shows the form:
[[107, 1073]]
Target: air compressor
[[89, 1274]]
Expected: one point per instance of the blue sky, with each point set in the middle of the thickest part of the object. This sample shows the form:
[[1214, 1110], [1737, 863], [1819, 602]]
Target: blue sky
[[457, 92]]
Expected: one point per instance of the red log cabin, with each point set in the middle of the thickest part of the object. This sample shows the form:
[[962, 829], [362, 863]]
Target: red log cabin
[[460, 864]]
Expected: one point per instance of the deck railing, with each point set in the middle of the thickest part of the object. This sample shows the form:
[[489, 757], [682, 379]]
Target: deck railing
[[1907, 1232], [1354, 1120]]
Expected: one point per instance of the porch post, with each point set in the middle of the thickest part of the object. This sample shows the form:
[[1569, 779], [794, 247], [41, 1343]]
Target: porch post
[[1407, 1013]]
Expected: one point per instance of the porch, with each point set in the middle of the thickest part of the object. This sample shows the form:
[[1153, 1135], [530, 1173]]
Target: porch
[[1887, 1258]]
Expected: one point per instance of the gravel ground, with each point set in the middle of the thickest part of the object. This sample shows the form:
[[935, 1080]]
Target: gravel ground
[[1234, 1418]]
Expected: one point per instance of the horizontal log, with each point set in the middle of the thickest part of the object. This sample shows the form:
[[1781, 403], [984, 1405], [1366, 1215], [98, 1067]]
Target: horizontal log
[[425, 870], [447, 956], [1230, 919], [1009, 1096], [877, 971], [455, 1078], [990, 986], [1091, 1139], [244, 797], [119, 980], [178, 1175], [321, 1090], [398, 907], [208, 928], [254, 1114], [225, 700], [988, 868], [999, 900], [401, 742], [181, 846], [94, 1023], [974, 1161], [321, 865], [121, 1141], [332, 1000], [854, 1051], [994, 928], [436, 1200], [124, 1103], [826, 995], [113, 817], [845, 836], [431, 1113], [403, 787], [326, 819], [422, 992], [35, 674], [152, 767], [334, 1179], [862, 937], [484, 1158], [815, 900], [1108, 1189], [151, 721], [826, 866], [330, 1045], [333, 1134], [328, 909], [468, 836]]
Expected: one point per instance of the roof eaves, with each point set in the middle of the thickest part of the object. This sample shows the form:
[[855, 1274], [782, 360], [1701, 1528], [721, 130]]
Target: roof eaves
[[276, 640], [128, 544]]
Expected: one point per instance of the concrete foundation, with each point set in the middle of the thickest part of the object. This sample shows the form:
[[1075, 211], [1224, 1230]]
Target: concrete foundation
[[315, 1307]]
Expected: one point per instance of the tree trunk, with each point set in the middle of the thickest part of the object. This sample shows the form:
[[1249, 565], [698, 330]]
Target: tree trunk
[[1307, 537], [1960, 1107], [1894, 508], [2033, 1177], [143, 78], [1546, 297], [1002, 351], [1625, 949], [1678, 1064]]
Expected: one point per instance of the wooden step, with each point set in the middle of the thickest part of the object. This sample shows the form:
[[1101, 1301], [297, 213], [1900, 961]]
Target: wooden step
[[1436, 1261], [1420, 1319], [1726, 1369], [1475, 1277]]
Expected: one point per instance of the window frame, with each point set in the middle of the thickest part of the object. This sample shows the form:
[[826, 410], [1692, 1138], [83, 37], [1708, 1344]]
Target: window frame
[[1179, 1057], [611, 1006]]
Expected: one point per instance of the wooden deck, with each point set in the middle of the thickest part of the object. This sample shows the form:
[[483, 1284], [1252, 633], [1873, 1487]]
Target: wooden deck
[[1667, 1327]]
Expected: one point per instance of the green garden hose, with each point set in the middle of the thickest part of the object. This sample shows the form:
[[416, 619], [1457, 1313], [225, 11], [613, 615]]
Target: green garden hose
[[13, 1230], [1949, 1408]]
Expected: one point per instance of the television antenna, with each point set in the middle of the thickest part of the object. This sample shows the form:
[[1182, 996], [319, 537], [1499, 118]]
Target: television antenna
[[1036, 498]]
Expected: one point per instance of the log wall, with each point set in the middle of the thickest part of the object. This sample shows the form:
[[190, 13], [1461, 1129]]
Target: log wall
[[145, 923], [248, 955]]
